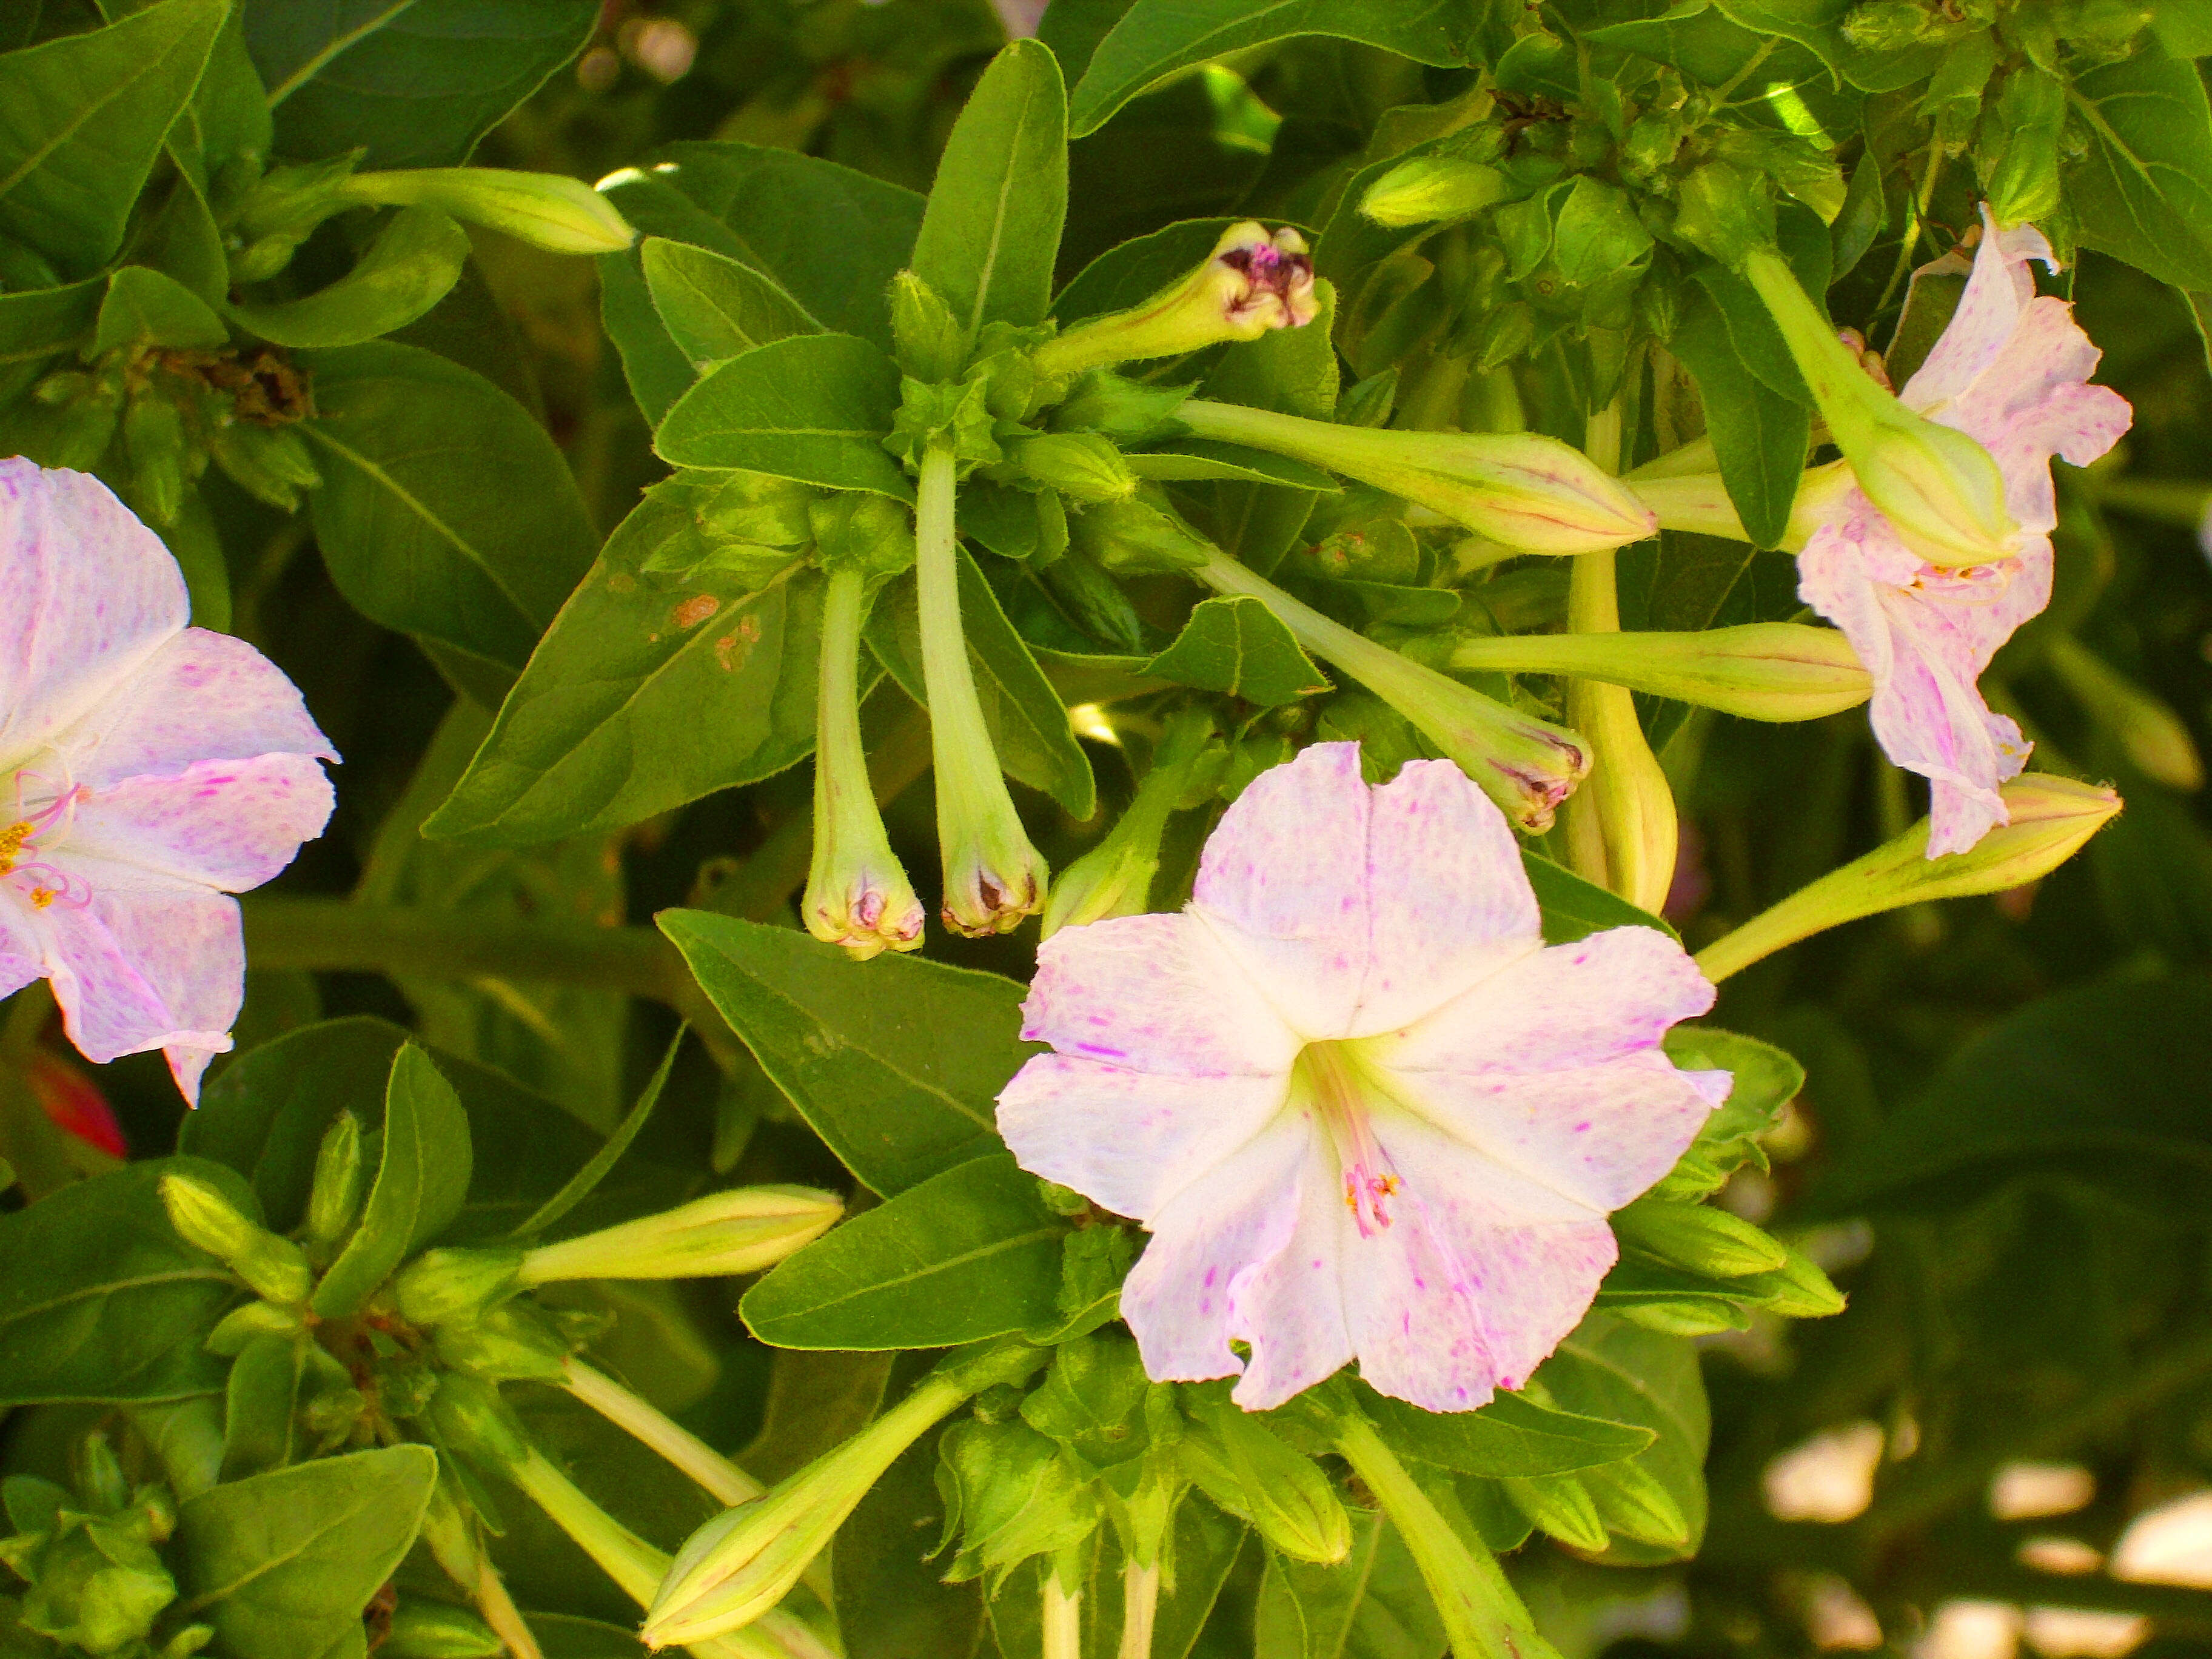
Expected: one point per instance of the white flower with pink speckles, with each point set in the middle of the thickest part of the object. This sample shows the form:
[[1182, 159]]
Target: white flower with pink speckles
[[1363, 1110], [148, 771]]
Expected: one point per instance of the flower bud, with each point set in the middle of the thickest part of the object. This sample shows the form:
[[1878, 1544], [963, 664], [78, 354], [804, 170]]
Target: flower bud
[[435, 1630], [1632, 1501], [1431, 187], [561, 215], [269, 462], [1761, 671], [444, 1286], [1114, 878], [1094, 601], [1560, 1505], [1700, 1237], [1251, 283], [154, 440], [1798, 1288], [243, 1323], [740, 1564], [1137, 536], [738, 1231], [926, 337], [335, 1198], [1241, 1464], [857, 892], [1525, 491], [1940, 490], [1081, 465], [273, 1267], [516, 1343], [2049, 817]]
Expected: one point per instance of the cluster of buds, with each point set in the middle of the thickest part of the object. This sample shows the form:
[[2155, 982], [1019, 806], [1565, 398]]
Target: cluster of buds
[[94, 1576]]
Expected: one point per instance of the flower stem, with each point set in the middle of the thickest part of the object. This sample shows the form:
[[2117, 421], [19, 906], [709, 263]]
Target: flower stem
[[1524, 765], [1062, 1615], [729, 1483], [1483, 1617], [454, 1544], [1140, 1602]]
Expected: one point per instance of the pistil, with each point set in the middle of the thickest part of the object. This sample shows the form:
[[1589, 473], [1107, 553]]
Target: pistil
[[1338, 1098]]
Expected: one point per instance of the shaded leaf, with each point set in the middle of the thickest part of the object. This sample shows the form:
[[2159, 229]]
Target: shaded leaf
[[814, 407]]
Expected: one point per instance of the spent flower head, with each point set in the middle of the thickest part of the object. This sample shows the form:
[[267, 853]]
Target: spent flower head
[[148, 771], [1364, 1112], [1253, 281]]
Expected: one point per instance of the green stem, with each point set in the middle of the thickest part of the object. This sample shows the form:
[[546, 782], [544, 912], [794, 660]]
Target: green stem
[[1061, 1616], [1839, 386], [728, 1484], [1140, 1601]]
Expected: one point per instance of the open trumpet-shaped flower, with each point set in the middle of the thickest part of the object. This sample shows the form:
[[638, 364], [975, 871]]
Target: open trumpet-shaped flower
[[2011, 371], [1362, 1109], [148, 771]]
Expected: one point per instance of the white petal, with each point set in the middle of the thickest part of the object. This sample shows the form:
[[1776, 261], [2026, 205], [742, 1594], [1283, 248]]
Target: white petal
[[150, 968], [1601, 997], [1131, 1140], [1206, 1245], [87, 595], [1154, 993], [1998, 289], [1290, 1309], [201, 696], [226, 824]]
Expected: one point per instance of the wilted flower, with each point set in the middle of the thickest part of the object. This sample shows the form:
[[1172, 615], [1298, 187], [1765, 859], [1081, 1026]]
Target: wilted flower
[[1251, 283], [2011, 371], [148, 771], [1363, 1110]]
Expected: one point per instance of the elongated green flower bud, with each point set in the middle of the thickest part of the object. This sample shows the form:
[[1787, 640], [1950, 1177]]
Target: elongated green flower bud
[[1560, 1505], [993, 876], [274, 1268], [439, 1287], [1700, 1237], [1428, 188], [739, 1566], [1761, 671], [738, 1231], [1526, 765], [1522, 490], [432, 1629], [2050, 818], [857, 892], [340, 1174], [1114, 878], [926, 337], [561, 215], [1631, 1500], [1251, 283], [1939, 488]]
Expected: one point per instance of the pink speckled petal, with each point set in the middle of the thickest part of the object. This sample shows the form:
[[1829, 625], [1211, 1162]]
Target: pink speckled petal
[[22, 956], [226, 824], [1130, 1140], [1555, 1146], [1602, 997], [1448, 898], [1154, 993], [1206, 1244], [87, 595], [1998, 289], [1357, 910], [201, 696], [1290, 1308], [1446, 1304], [148, 968], [1284, 884]]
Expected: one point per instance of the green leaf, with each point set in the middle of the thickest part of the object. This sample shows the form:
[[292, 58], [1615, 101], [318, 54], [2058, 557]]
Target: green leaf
[[37, 322], [407, 270], [422, 1183], [992, 229], [714, 307], [1765, 1080], [969, 1254], [81, 120], [1513, 1435], [282, 1564], [580, 1186], [815, 407], [1156, 38], [1373, 1605], [259, 1431], [144, 309], [1027, 720], [1237, 647], [445, 510], [1759, 423], [100, 1301], [1574, 908], [2102, 1084], [640, 696], [895, 1063], [1607, 1368], [414, 82], [2143, 191], [564, 1636]]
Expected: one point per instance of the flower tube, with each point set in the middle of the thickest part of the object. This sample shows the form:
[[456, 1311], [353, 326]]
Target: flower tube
[[1252, 282]]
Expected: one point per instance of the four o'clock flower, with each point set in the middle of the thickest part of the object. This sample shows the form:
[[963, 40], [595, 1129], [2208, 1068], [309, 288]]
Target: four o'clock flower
[[1363, 1110], [2010, 371], [148, 772]]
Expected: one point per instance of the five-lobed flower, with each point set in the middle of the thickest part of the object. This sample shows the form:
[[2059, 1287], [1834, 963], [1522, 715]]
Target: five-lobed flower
[[1362, 1108], [148, 772]]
